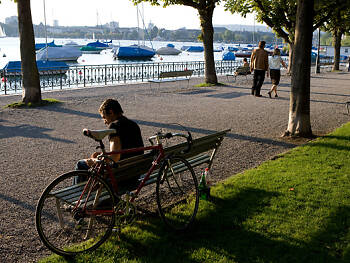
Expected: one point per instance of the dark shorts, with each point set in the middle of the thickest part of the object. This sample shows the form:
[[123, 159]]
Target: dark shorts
[[275, 75]]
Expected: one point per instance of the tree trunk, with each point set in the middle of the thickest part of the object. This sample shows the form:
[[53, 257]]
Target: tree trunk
[[206, 16], [337, 34], [299, 107], [290, 64], [30, 77]]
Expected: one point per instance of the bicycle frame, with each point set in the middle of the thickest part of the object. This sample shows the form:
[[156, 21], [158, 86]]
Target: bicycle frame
[[102, 165], [160, 156]]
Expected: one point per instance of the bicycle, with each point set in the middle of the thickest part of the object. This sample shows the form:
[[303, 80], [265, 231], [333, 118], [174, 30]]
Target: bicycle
[[88, 212]]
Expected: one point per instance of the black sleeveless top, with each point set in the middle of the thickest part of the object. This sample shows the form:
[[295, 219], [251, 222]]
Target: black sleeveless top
[[129, 134]]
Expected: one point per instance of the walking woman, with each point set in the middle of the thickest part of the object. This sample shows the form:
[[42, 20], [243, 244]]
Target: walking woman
[[275, 62]]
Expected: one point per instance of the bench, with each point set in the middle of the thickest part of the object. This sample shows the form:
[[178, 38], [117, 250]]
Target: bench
[[172, 76], [239, 71], [203, 151]]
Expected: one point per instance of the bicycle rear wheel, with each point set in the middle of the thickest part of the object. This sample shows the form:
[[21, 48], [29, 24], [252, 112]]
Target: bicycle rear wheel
[[177, 193], [71, 219]]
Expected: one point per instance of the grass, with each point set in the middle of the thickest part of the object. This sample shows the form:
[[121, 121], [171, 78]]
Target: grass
[[295, 208], [209, 85], [21, 104]]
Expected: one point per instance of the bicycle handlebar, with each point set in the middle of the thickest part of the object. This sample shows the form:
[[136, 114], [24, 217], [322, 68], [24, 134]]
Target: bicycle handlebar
[[168, 135]]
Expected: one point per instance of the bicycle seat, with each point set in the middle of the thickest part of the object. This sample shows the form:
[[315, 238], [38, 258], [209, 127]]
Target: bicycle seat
[[98, 134]]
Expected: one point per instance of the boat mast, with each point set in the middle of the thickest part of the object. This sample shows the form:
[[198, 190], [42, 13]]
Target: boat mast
[[138, 28], [45, 31], [143, 22], [254, 30]]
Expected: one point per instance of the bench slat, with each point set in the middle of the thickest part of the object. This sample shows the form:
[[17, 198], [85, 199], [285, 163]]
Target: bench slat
[[139, 165], [168, 76], [198, 160], [72, 194]]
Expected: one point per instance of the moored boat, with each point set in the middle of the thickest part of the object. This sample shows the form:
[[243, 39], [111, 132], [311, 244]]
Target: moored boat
[[90, 50], [195, 49], [13, 68], [243, 54], [39, 46], [98, 44], [169, 49], [228, 55], [73, 44], [134, 52], [65, 53]]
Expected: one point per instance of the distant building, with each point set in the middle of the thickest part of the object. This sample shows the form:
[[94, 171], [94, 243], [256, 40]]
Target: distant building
[[55, 22], [218, 29], [243, 28], [114, 24], [56, 30], [11, 20]]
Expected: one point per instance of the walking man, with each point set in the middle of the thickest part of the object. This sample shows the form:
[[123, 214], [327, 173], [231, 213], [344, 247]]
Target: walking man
[[259, 63]]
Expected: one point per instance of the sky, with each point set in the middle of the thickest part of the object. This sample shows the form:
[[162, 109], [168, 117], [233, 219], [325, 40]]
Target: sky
[[93, 12]]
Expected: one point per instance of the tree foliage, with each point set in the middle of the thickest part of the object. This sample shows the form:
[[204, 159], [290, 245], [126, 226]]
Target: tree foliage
[[338, 25], [280, 15], [205, 10]]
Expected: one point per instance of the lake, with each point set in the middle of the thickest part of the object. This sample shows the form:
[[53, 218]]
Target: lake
[[10, 47]]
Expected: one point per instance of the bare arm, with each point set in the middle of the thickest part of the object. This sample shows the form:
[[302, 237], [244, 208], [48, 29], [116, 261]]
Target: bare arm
[[115, 145], [252, 57], [283, 64]]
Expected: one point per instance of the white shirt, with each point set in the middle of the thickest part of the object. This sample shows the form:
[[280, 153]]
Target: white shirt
[[275, 62]]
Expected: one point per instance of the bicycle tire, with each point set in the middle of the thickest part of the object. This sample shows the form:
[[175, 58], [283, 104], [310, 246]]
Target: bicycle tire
[[177, 193], [67, 231]]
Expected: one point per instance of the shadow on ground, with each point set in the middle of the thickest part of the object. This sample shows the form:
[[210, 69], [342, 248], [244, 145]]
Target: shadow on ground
[[222, 233], [177, 127]]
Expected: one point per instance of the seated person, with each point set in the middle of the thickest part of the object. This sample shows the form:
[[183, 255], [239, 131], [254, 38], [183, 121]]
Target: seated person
[[128, 135], [243, 70]]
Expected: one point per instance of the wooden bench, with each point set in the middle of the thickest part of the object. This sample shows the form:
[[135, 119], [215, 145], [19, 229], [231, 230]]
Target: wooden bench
[[245, 71], [172, 76], [203, 151]]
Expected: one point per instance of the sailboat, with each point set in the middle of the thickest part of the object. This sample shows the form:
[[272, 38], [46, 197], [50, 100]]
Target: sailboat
[[135, 52], [52, 52], [46, 60], [2, 32]]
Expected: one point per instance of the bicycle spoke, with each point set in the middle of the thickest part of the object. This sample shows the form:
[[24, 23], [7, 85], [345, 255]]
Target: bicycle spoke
[[73, 219], [177, 194]]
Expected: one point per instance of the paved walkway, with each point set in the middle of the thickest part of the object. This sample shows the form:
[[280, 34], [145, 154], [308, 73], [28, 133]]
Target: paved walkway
[[39, 144]]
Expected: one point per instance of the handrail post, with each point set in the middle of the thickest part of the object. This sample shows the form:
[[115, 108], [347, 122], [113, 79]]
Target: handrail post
[[84, 79], [61, 75], [158, 69], [142, 72], [124, 73], [106, 75], [5, 80]]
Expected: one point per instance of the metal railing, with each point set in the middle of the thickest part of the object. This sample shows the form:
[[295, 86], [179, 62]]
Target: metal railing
[[109, 74]]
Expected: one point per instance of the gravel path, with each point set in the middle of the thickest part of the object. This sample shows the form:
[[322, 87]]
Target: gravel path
[[39, 144]]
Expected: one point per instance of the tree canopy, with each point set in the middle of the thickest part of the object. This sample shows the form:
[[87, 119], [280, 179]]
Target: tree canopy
[[205, 10], [280, 15]]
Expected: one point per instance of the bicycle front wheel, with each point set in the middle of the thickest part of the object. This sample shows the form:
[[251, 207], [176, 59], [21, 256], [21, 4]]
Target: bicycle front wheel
[[177, 193], [71, 219]]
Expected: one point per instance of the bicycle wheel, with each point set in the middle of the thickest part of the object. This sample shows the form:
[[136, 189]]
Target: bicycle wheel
[[177, 193], [71, 219]]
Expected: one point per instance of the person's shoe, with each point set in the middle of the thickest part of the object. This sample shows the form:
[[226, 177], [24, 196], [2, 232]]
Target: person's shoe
[[269, 94], [259, 95], [276, 96], [253, 92]]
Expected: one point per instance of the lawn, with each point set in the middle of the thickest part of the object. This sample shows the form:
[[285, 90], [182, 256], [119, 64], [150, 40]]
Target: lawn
[[294, 208]]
